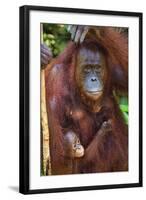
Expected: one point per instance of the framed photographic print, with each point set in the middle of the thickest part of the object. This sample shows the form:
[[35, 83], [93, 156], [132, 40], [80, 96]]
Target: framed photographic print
[[80, 99]]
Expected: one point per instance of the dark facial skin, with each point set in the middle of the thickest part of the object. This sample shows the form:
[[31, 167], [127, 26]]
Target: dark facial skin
[[91, 71], [73, 147]]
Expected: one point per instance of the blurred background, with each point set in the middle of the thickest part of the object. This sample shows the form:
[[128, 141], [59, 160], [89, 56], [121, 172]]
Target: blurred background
[[56, 36]]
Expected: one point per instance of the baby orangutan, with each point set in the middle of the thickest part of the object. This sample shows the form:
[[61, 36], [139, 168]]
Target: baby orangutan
[[73, 147], [73, 151]]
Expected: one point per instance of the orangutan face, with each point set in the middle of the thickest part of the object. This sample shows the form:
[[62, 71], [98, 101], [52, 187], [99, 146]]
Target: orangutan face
[[90, 72]]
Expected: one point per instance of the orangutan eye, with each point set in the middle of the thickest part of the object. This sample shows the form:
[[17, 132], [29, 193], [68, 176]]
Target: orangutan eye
[[87, 70], [98, 69]]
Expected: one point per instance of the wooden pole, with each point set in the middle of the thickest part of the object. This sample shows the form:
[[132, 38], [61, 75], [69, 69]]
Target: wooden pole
[[44, 122]]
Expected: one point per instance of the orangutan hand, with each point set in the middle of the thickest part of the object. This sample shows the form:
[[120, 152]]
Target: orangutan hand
[[46, 55], [107, 126], [78, 32]]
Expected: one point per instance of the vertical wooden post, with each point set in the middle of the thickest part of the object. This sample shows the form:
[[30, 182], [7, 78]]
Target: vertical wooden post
[[44, 123]]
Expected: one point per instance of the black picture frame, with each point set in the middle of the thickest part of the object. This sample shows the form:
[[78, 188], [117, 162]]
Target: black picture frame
[[25, 105]]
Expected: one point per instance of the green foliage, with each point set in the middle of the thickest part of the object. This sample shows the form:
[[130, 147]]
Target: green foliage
[[123, 104], [55, 36]]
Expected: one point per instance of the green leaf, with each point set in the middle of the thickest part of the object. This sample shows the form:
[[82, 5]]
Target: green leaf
[[125, 117], [123, 100], [124, 108]]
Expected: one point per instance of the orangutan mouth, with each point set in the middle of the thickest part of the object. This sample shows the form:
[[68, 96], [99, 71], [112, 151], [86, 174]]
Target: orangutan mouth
[[95, 92]]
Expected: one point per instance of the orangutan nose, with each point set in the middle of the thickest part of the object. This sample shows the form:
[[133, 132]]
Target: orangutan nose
[[93, 79]]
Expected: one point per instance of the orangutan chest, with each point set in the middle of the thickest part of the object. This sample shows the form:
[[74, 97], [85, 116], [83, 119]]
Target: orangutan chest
[[84, 124]]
